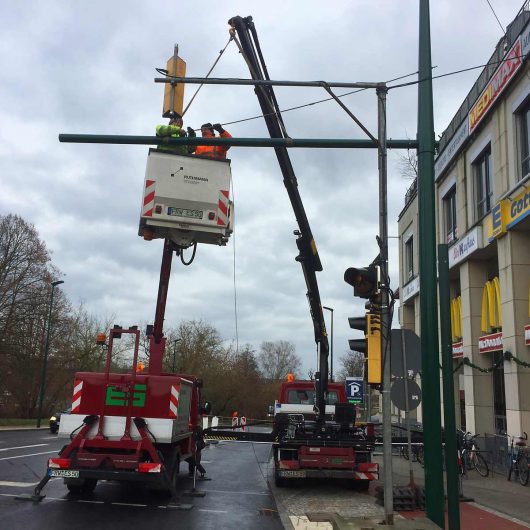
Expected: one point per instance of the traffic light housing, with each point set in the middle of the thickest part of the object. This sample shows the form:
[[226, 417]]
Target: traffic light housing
[[364, 281], [370, 325]]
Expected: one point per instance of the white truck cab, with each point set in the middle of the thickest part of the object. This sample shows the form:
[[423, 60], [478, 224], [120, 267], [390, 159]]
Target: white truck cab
[[186, 198]]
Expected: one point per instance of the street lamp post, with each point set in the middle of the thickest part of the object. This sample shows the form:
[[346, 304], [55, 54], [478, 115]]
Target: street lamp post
[[331, 360], [46, 347]]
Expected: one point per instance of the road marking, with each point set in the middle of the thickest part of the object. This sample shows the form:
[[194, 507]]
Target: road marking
[[128, 504], [212, 511], [238, 492], [17, 484], [24, 456], [91, 502], [44, 500], [21, 447]]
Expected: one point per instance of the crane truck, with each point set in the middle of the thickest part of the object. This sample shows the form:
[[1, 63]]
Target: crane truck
[[316, 436], [134, 426]]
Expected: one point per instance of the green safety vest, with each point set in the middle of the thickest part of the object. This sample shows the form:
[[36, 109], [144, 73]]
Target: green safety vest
[[173, 131]]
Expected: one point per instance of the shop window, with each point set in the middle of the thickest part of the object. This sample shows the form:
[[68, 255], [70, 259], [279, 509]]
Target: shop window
[[525, 140], [409, 259], [449, 202], [482, 175]]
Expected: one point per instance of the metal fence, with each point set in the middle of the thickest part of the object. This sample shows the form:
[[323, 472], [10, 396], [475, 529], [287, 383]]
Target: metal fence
[[495, 448]]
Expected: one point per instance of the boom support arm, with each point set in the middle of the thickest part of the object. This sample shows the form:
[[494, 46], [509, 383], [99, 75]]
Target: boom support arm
[[308, 255]]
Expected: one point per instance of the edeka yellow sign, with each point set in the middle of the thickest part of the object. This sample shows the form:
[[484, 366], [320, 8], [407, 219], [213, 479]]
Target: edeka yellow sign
[[496, 223], [507, 213]]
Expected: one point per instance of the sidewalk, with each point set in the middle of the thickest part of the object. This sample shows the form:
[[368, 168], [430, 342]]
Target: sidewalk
[[496, 503]]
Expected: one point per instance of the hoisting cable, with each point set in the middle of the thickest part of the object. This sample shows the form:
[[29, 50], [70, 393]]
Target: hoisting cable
[[166, 74], [234, 253], [192, 255]]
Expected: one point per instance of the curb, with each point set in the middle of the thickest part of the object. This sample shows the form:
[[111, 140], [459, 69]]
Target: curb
[[22, 428]]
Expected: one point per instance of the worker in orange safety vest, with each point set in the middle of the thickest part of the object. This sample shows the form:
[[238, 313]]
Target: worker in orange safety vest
[[218, 152]]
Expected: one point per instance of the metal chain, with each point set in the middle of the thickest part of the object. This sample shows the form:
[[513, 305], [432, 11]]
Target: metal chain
[[507, 357]]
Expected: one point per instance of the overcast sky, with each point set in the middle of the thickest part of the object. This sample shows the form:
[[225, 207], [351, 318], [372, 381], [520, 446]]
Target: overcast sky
[[88, 67]]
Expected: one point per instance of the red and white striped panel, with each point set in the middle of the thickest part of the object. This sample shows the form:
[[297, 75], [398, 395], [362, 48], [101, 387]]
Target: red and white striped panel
[[149, 198], [366, 476], [222, 208], [76, 398], [367, 471], [174, 401]]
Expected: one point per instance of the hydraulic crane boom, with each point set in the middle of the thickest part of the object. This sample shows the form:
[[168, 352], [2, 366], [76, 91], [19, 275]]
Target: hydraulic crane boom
[[308, 255]]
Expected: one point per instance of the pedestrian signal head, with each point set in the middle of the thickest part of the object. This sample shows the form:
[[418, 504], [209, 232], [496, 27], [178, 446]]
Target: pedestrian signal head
[[290, 378], [101, 338], [140, 367]]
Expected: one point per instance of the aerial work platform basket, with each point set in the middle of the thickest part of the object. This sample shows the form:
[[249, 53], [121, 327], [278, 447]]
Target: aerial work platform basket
[[186, 198]]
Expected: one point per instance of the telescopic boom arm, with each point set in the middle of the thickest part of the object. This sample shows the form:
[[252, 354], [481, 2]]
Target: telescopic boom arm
[[308, 255]]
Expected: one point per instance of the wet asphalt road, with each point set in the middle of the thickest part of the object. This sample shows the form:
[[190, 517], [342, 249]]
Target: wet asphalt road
[[236, 497]]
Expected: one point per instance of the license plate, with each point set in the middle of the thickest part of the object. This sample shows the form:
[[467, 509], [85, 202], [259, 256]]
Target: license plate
[[292, 474], [185, 212], [65, 473]]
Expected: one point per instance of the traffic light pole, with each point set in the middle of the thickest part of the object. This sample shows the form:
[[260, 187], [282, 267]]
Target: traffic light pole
[[432, 432], [385, 306]]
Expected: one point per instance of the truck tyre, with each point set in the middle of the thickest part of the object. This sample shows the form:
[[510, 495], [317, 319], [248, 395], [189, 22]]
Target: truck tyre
[[361, 485], [279, 482], [77, 487]]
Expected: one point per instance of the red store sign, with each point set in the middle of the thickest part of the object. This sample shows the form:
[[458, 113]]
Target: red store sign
[[489, 343], [458, 350]]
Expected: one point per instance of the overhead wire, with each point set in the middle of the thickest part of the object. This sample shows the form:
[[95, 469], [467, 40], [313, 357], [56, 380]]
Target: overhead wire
[[317, 102], [495, 15]]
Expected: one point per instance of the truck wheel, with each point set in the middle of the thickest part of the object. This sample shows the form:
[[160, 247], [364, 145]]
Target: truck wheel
[[81, 486], [279, 482], [361, 485]]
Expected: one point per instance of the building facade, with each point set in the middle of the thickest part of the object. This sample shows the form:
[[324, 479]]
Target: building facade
[[482, 180]]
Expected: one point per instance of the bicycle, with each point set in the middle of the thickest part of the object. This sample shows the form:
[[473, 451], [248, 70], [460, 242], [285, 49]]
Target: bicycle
[[469, 456], [417, 453], [519, 459]]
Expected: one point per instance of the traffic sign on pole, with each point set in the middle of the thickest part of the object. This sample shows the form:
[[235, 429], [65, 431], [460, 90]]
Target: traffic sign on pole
[[355, 390]]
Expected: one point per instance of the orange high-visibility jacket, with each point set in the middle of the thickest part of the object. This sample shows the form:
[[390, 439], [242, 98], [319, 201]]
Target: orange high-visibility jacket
[[214, 151]]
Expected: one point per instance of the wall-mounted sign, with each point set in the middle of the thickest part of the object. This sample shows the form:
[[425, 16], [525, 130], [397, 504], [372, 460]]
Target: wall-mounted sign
[[457, 141], [527, 335], [507, 213], [506, 71], [458, 350], [411, 289], [464, 247], [489, 343]]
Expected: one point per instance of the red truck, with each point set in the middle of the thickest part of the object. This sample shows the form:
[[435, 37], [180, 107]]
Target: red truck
[[128, 426], [306, 448], [131, 426]]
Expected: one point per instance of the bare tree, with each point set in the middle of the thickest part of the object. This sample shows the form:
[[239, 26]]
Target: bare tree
[[352, 365], [277, 359], [408, 165]]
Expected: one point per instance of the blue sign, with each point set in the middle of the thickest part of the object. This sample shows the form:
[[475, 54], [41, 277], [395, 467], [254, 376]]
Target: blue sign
[[355, 389]]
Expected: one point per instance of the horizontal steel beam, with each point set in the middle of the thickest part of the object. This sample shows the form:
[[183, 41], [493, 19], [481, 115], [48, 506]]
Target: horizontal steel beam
[[262, 82], [327, 143]]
